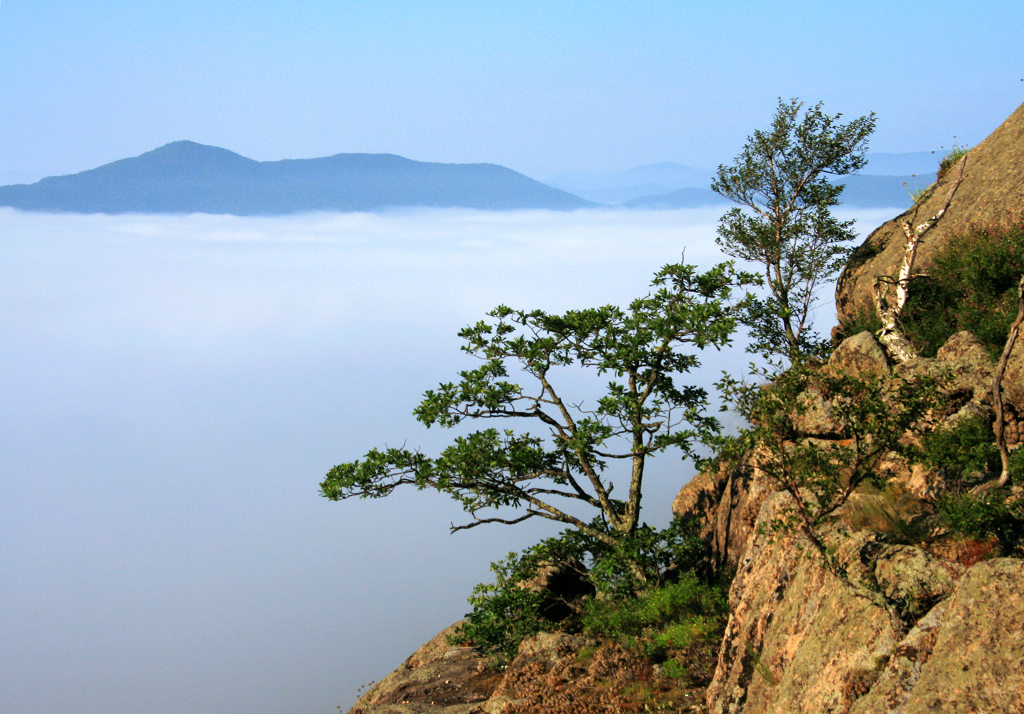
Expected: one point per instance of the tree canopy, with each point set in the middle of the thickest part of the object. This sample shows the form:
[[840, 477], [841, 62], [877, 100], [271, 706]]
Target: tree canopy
[[504, 475], [784, 220]]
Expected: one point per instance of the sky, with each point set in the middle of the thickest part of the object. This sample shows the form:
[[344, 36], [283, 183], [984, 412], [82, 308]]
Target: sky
[[540, 87], [172, 389]]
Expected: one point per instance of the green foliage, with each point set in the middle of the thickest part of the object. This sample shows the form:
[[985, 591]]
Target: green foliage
[[643, 350], [784, 221], [507, 611], [651, 612], [870, 418], [513, 607], [954, 155], [964, 453], [668, 624], [864, 320], [920, 194], [972, 285], [996, 512], [893, 512]]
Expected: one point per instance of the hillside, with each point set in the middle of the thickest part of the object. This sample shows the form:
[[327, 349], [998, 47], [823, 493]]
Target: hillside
[[990, 196], [186, 177], [888, 604]]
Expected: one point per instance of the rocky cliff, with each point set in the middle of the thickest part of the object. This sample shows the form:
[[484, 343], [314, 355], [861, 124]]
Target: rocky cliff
[[900, 620]]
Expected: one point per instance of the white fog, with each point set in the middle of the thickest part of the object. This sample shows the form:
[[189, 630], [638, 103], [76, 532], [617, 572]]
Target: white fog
[[172, 390]]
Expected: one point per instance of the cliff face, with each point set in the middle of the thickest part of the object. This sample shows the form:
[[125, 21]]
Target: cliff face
[[911, 628], [799, 640]]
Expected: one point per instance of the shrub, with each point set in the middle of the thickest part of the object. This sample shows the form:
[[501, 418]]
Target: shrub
[[679, 624], [971, 286], [864, 320], [965, 452], [650, 612], [950, 159], [997, 512], [965, 455], [513, 607]]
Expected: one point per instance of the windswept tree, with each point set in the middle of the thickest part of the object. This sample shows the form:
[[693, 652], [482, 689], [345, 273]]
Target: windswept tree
[[568, 470], [784, 220]]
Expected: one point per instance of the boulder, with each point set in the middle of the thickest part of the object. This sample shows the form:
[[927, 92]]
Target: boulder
[[437, 678], [800, 639], [860, 356], [725, 502], [913, 578], [965, 655]]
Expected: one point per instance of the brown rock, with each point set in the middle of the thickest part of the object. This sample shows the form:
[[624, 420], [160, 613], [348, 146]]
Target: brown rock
[[725, 503], [911, 576], [814, 415], [436, 678], [860, 356], [798, 639], [963, 347], [965, 655], [991, 196], [1013, 380]]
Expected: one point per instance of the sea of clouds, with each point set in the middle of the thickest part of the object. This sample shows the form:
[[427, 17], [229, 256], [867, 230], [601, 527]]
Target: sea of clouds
[[172, 389]]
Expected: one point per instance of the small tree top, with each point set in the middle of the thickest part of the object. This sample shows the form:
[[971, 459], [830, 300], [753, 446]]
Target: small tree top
[[784, 222]]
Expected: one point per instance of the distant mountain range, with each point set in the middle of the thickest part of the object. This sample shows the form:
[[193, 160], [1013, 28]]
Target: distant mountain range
[[862, 191], [186, 177], [888, 181]]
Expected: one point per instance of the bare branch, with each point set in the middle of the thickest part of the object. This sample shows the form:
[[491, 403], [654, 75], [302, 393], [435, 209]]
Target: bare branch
[[480, 521]]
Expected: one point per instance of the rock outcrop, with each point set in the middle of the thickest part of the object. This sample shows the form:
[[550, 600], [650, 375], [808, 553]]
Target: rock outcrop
[[799, 639], [990, 196], [437, 678]]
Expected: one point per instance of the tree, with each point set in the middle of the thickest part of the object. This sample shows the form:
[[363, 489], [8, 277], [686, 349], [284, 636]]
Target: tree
[[784, 221], [643, 411]]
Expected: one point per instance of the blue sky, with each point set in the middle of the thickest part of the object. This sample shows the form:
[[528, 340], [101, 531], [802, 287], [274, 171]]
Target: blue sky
[[538, 86]]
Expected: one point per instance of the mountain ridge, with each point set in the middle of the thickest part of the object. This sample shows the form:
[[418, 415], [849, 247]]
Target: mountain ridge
[[188, 177]]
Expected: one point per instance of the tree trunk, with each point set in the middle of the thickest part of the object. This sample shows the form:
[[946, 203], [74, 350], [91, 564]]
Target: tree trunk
[[891, 337]]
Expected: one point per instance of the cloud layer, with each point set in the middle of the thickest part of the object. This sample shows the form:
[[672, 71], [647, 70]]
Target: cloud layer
[[172, 390]]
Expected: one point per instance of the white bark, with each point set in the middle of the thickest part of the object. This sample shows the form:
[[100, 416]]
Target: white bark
[[891, 337]]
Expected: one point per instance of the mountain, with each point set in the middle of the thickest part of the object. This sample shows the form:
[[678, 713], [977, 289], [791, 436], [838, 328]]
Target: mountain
[[668, 185], [893, 609], [680, 198], [622, 186], [991, 195], [186, 177]]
